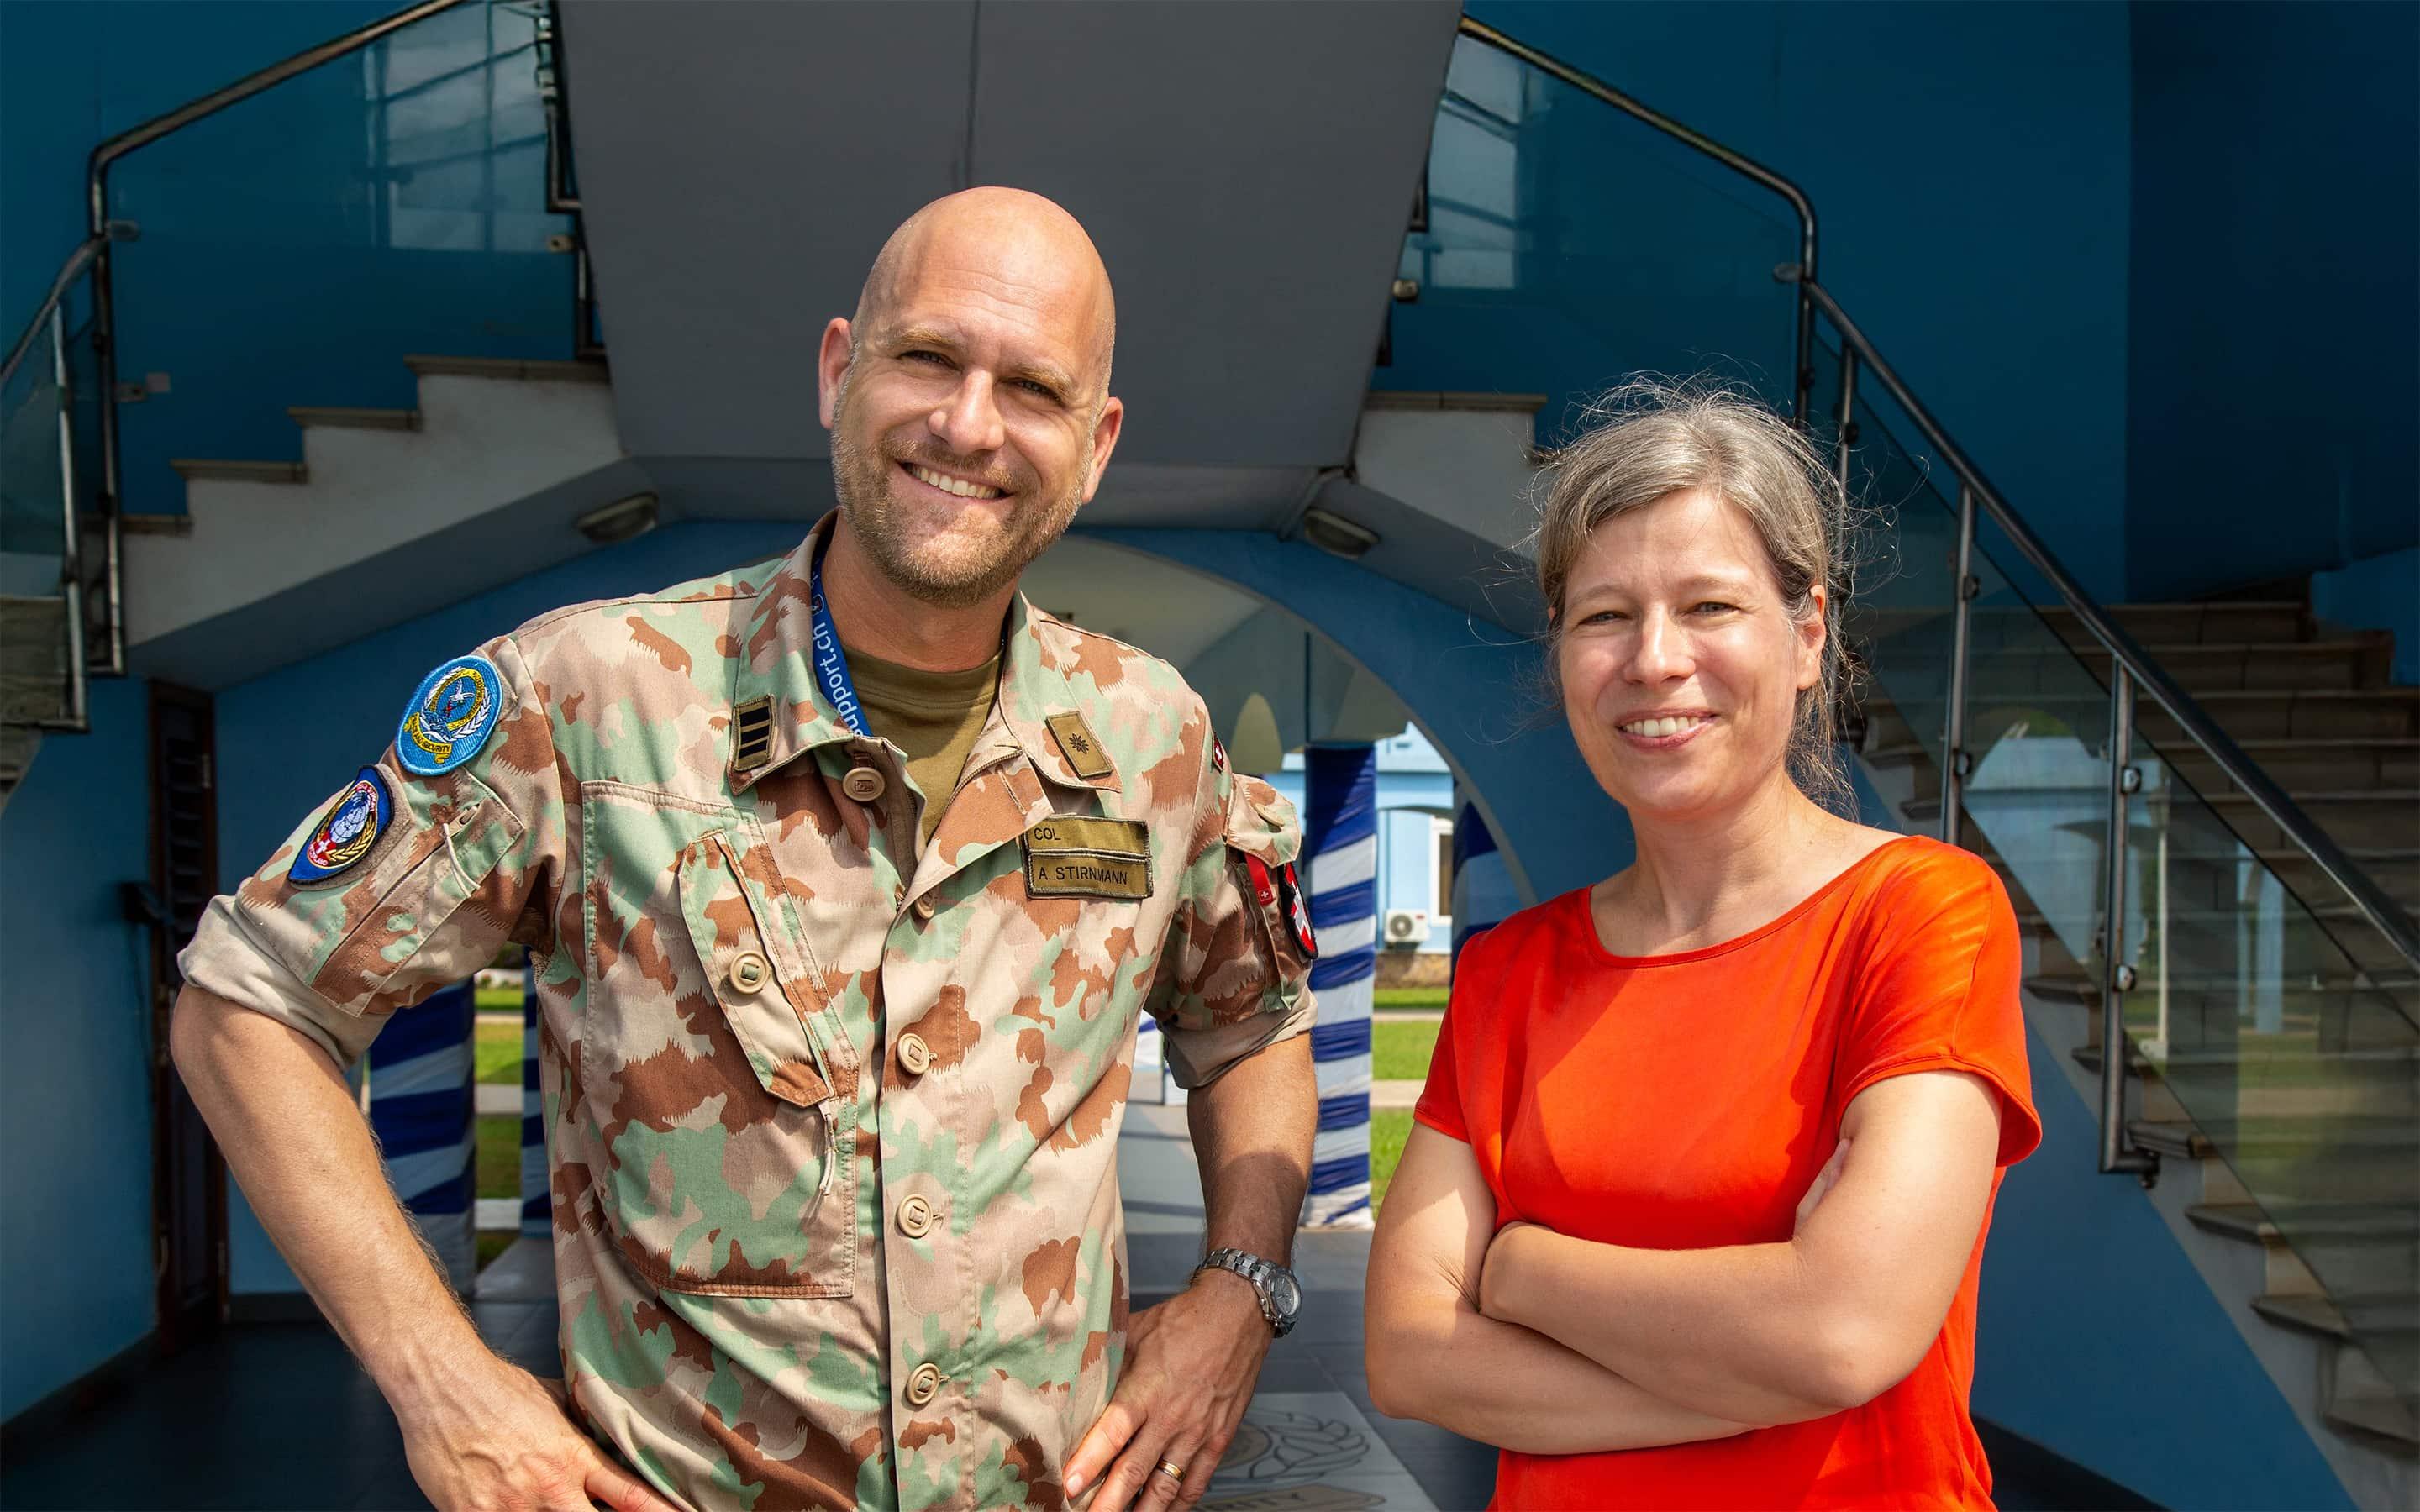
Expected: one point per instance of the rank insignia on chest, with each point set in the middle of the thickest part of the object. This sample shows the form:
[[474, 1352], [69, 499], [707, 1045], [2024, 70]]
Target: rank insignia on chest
[[1073, 856], [346, 833], [450, 718], [1081, 747]]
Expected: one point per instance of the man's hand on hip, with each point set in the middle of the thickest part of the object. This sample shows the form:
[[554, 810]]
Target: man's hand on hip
[[502, 1442], [1191, 1366]]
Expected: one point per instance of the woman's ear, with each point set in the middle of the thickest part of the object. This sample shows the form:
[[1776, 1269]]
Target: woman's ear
[[1812, 633]]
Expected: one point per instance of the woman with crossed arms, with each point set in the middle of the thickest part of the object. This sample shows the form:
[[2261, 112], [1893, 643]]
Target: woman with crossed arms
[[1693, 1209]]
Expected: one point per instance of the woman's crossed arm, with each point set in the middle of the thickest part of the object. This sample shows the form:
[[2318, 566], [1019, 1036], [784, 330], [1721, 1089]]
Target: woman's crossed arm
[[1433, 1355], [1823, 1321]]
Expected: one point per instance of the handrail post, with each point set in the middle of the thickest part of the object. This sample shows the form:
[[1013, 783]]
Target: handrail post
[[1848, 417], [1953, 754], [71, 542], [105, 346], [1802, 373], [2118, 979]]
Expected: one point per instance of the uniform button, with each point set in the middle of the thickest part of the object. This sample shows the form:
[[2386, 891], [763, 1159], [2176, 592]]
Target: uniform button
[[749, 972], [923, 1383], [924, 907], [863, 783], [916, 1217], [915, 1056]]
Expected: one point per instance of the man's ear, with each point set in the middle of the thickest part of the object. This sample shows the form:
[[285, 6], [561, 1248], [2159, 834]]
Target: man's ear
[[1105, 441], [832, 361]]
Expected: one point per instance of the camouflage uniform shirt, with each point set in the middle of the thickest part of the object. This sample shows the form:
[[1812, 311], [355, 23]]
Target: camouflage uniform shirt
[[833, 1123]]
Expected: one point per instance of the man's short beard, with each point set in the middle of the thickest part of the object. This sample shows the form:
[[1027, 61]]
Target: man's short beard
[[861, 479]]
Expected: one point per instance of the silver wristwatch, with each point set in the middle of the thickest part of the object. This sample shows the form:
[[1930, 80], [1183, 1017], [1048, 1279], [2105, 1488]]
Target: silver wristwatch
[[1280, 1293]]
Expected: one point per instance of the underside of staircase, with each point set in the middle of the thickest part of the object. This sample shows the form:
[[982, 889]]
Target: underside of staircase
[[2320, 1097]]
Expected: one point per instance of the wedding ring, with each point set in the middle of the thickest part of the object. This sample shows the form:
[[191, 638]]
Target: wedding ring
[[1173, 1470]]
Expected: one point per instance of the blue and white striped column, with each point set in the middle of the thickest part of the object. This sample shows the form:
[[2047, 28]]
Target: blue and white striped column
[[420, 1109], [1484, 895], [1341, 844], [537, 1190]]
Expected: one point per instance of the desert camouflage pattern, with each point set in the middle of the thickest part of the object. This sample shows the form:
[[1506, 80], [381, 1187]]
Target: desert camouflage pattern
[[767, 1218]]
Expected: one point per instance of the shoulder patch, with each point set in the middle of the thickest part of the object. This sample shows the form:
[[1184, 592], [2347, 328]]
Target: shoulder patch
[[346, 833], [449, 718], [1298, 911]]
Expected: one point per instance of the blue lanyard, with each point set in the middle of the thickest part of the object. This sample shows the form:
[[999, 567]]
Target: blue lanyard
[[831, 663]]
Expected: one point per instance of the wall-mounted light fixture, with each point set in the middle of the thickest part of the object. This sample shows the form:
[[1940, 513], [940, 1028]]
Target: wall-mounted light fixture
[[619, 520], [1336, 535]]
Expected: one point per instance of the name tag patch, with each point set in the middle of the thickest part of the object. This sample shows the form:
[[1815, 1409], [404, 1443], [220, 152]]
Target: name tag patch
[[1074, 856]]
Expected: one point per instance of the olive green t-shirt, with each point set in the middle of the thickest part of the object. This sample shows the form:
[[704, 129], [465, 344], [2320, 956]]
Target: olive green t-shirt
[[932, 717]]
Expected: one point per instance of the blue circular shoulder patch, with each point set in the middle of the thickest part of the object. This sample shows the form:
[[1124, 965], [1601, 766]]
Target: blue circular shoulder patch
[[449, 720], [346, 833]]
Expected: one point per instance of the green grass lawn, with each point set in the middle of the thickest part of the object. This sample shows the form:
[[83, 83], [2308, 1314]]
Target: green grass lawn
[[1389, 1128], [496, 1000], [496, 1053], [1401, 1051], [499, 1156], [1408, 997]]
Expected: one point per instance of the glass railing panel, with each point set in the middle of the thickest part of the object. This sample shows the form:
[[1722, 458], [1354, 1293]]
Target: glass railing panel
[[34, 479], [1567, 245], [2258, 1016], [296, 247]]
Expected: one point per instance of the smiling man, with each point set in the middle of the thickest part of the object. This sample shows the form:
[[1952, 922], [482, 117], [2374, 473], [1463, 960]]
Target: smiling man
[[846, 876]]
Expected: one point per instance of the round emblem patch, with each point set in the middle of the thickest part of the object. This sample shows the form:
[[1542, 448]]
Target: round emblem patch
[[345, 832], [449, 720]]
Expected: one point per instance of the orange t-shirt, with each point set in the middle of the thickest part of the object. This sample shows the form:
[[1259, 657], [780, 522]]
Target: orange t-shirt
[[1685, 1101]]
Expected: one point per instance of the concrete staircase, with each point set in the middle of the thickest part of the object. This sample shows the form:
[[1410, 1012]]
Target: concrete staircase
[[2288, 1115], [384, 514], [33, 679]]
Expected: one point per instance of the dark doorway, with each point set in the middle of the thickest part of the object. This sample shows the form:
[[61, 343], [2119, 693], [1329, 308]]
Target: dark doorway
[[189, 1221]]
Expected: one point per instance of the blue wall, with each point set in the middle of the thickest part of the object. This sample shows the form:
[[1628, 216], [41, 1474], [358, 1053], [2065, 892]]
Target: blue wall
[[296, 246], [75, 1079], [1969, 163], [2099, 1340], [2379, 592], [2274, 309]]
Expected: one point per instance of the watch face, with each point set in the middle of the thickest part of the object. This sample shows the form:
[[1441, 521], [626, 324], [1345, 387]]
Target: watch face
[[1285, 1293]]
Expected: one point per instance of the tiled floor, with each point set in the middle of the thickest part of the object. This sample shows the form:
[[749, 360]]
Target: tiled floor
[[276, 1416]]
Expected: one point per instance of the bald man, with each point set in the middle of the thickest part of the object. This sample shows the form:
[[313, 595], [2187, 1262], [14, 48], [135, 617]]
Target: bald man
[[845, 876]]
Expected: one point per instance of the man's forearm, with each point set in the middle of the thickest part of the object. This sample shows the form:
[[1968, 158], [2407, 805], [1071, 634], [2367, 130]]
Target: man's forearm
[[294, 1136], [1252, 1130]]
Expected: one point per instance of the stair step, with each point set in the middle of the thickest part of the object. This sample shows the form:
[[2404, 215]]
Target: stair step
[[2255, 714], [2380, 1419], [2384, 1061], [155, 524], [2322, 1316], [343, 418], [2172, 1138], [197, 470], [544, 370], [2355, 1225]]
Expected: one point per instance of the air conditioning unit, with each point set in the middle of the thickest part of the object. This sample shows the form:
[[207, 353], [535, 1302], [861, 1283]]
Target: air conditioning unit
[[1407, 926]]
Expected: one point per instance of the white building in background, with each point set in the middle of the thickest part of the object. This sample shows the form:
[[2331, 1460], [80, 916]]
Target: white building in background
[[1415, 856]]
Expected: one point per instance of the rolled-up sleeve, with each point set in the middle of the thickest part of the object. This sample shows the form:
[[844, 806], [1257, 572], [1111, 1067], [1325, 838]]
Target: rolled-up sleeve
[[467, 859], [1243, 976]]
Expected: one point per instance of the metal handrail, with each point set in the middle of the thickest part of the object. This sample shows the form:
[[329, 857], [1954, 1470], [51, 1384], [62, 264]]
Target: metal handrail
[[92, 254], [1803, 375], [2137, 664]]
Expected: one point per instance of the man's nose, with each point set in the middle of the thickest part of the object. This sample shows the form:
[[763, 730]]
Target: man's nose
[[968, 423]]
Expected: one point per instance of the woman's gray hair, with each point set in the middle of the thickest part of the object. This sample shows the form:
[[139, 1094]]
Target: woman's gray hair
[[1652, 437]]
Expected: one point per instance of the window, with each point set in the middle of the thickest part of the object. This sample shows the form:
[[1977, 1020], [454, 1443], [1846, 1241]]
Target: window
[[1442, 831]]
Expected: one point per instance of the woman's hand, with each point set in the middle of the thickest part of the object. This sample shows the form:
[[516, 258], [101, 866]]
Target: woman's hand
[[1826, 1178]]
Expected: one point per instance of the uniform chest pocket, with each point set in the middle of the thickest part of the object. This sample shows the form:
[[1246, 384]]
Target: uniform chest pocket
[[729, 1104]]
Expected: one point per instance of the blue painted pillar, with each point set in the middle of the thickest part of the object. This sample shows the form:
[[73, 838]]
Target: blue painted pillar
[[1484, 894], [537, 1190], [420, 1109], [1340, 842]]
